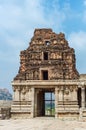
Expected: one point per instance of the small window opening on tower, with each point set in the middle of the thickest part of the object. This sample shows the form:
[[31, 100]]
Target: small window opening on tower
[[45, 55], [45, 75], [47, 42]]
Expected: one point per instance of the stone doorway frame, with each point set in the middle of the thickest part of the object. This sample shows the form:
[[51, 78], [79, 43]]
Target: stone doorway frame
[[27, 89], [39, 101]]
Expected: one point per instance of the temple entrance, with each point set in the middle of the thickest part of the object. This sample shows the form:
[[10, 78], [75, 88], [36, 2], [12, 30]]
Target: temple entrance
[[44, 102]]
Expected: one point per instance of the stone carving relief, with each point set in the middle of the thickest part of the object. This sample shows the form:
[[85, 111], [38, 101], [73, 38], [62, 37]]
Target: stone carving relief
[[36, 74], [35, 56], [66, 91], [23, 92], [56, 55], [56, 73], [30, 74]]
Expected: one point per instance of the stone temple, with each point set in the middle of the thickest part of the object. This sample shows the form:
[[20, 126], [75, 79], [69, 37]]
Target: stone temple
[[48, 83]]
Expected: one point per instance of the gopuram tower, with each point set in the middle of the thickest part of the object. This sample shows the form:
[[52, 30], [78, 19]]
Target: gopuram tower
[[47, 83]]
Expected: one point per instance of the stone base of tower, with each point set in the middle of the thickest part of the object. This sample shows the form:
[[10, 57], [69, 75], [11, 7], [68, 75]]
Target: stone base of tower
[[29, 99], [68, 110], [21, 109], [18, 111], [73, 115], [21, 115], [82, 114]]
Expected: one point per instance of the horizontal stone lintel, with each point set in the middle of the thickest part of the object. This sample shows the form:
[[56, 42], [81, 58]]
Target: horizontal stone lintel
[[48, 83], [66, 111]]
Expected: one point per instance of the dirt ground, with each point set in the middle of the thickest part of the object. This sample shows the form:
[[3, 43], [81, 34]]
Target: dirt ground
[[42, 123]]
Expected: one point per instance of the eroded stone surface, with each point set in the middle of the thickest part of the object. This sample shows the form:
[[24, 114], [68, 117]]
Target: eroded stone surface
[[50, 51]]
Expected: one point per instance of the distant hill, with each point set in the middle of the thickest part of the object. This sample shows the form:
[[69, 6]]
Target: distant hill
[[5, 94]]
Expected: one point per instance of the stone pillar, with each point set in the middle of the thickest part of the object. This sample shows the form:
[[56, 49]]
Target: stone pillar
[[83, 96], [35, 103], [61, 94], [56, 102], [16, 93], [75, 94], [32, 96], [27, 94]]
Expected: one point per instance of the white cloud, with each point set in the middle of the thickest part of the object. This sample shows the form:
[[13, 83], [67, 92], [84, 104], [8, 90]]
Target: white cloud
[[9, 17], [14, 16], [84, 16], [21, 19], [84, 2], [78, 40]]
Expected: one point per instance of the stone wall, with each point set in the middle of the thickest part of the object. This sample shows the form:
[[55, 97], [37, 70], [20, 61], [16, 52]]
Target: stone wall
[[5, 109]]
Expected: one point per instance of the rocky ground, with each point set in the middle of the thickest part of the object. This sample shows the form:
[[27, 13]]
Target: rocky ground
[[43, 123]]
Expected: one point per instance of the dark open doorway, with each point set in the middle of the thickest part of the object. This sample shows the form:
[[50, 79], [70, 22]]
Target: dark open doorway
[[79, 97]]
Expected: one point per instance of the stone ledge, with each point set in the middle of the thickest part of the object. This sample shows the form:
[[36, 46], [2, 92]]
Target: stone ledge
[[44, 83]]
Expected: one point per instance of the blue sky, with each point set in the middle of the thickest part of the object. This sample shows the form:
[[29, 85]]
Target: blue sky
[[19, 18]]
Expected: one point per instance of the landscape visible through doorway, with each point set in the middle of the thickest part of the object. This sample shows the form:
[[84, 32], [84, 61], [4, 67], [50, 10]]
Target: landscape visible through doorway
[[49, 101]]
